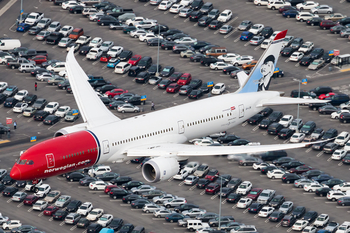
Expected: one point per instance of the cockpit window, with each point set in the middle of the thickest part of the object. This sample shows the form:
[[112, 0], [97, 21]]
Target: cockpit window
[[30, 162], [22, 162]]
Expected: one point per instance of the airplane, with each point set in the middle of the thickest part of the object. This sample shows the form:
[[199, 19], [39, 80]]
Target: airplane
[[104, 138]]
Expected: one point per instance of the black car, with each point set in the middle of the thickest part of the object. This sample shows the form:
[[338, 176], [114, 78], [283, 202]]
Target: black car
[[205, 88], [51, 119], [275, 116], [276, 216], [167, 45], [73, 205], [332, 182], [297, 42], [60, 215], [225, 191], [176, 36], [116, 193], [331, 133], [83, 223], [234, 183], [285, 133], [152, 193], [10, 102], [317, 53], [277, 201], [344, 117], [30, 99], [319, 146], [291, 164], [195, 16], [34, 30], [84, 50], [202, 183], [344, 201], [131, 197], [288, 221], [24, 229], [153, 69], [290, 178], [116, 224], [170, 32], [287, 51], [337, 29], [126, 228], [195, 83], [178, 48], [264, 170], [306, 61], [19, 184], [327, 58], [227, 138], [54, 38], [315, 21], [255, 208], [267, 32], [125, 55], [75, 176], [76, 9], [107, 176], [156, 28], [330, 147], [322, 177], [207, 216], [139, 203], [195, 94], [184, 207], [167, 71], [185, 90], [94, 228], [233, 197], [298, 211], [87, 180], [204, 21], [9, 191], [327, 109], [207, 60], [215, 25], [155, 42], [257, 118], [3, 97], [310, 216], [106, 20], [199, 44], [132, 184], [105, 88], [308, 128], [164, 84], [274, 128], [7, 180], [143, 77], [10, 91], [266, 111], [242, 142], [40, 115]]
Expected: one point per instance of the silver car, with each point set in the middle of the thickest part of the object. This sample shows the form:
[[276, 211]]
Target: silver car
[[193, 212], [174, 202], [202, 170], [162, 213], [163, 198], [191, 180], [64, 42], [257, 40], [317, 64], [151, 208], [322, 9], [19, 196], [128, 108], [62, 201], [286, 207], [296, 124], [155, 80], [142, 188], [301, 182]]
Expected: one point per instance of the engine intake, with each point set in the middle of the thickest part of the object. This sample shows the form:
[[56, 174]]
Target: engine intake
[[160, 168], [70, 129]]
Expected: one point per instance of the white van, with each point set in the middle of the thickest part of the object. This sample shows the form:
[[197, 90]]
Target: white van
[[195, 224], [9, 44], [99, 170]]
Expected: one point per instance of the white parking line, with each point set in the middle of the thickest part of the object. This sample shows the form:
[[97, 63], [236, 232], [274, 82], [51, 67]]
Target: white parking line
[[340, 164], [202, 193], [319, 154], [257, 48], [246, 44], [236, 40]]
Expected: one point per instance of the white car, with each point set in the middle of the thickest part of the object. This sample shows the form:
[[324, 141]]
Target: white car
[[297, 137], [69, 4], [219, 65], [308, 5], [265, 43], [228, 57], [115, 51], [185, 40], [95, 214], [258, 166], [11, 224], [96, 42], [66, 30], [335, 195], [43, 190], [244, 203], [336, 115], [266, 211], [176, 8], [261, 2], [21, 95], [276, 173], [309, 229], [342, 138], [312, 187], [322, 220], [3, 86], [165, 5], [306, 47], [122, 68], [191, 167], [286, 120], [181, 175], [225, 16], [299, 225], [148, 36], [186, 2], [240, 60], [296, 56], [94, 17], [40, 205], [244, 188], [57, 67], [342, 187], [98, 185], [19, 107], [51, 107], [85, 208], [303, 16], [276, 4], [256, 28], [218, 89], [134, 21], [204, 142], [105, 220], [94, 54], [137, 33], [62, 111], [338, 154]]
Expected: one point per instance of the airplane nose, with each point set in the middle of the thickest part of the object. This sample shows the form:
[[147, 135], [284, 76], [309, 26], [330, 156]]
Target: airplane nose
[[15, 173]]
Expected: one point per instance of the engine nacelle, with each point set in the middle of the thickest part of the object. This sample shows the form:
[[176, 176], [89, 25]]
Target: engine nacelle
[[160, 168], [70, 129]]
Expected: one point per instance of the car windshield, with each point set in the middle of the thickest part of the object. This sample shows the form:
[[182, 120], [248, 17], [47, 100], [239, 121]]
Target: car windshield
[[83, 207], [253, 192], [285, 206], [94, 213], [223, 14], [243, 186], [62, 199], [41, 189]]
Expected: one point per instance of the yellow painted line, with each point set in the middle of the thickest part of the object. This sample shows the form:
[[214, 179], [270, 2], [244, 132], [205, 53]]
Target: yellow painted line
[[344, 70], [4, 141]]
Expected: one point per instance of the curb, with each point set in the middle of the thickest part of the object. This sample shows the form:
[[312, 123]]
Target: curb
[[9, 142]]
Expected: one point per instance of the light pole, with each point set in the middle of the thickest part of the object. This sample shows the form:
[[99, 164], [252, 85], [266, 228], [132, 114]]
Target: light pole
[[21, 11], [299, 81], [219, 225], [157, 73]]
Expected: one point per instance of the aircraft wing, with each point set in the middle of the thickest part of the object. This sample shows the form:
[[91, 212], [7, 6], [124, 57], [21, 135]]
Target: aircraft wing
[[289, 100], [91, 108], [192, 150]]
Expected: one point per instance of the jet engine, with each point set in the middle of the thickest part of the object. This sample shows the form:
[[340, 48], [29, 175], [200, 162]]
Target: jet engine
[[160, 168], [71, 129]]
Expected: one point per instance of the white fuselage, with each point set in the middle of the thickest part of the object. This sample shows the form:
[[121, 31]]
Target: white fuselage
[[178, 124]]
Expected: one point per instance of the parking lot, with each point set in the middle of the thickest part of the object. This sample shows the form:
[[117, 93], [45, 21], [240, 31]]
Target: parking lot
[[241, 9]]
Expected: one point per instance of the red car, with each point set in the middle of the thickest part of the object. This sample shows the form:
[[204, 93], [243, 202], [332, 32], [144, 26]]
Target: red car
[[323, 96], [254, 193], [212, 188], [38, 59], [300, 169], [109, 187], [184, 79], [134, 60], [105, 58], [173, 88], [50, 210], [115, 92], [212, 174], [30, 200], [327, 24]]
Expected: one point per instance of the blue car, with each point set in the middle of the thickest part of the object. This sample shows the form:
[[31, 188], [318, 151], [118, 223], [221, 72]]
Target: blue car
[[290, 13], [113, 62], [174, 217], [23, 27], [246, 35]]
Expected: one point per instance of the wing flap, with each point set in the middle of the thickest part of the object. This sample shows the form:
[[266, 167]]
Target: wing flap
[[288, 100], [91, 108]]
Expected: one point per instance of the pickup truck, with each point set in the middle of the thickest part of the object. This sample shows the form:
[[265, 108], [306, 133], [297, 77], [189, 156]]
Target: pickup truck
[[14, 64], [118, 11], [83, 40], [33, 18], [32, 52]]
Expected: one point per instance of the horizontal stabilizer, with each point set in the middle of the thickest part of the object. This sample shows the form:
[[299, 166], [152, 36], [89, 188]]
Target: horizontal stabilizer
[[288, 100], [242, 78]]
